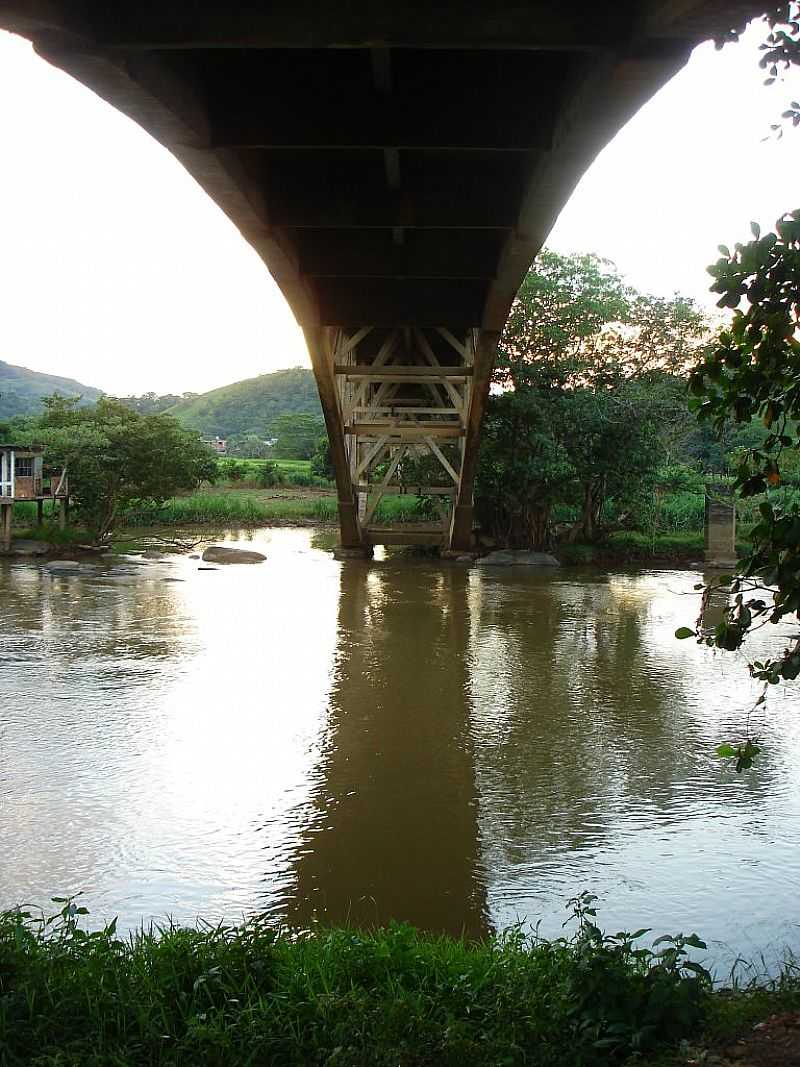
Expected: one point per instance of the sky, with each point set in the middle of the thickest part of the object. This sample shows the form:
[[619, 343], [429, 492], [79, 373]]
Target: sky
[[118, 270]]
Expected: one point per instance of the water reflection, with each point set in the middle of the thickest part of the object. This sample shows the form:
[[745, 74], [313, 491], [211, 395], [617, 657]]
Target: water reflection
[[394, 831], [460, 748], [594, 734]]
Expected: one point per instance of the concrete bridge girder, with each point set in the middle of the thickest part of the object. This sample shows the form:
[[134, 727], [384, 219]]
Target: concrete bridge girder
[[395, 171]]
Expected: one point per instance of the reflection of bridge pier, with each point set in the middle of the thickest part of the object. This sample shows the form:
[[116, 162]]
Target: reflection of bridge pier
[[394, 833]]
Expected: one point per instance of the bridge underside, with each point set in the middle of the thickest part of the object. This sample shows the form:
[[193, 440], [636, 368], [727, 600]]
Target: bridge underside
[[397, 166]]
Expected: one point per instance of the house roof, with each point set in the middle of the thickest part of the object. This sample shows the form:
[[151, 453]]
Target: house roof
[[4, 447]]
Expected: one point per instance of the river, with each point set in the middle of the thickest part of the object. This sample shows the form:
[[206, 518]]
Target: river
[[464, 748]]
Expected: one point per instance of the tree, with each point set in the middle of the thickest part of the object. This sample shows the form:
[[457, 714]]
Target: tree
[[321, 460], [297, 435], [152, 403], [523, 468], [587, 369], [116, 457], [753, 371]]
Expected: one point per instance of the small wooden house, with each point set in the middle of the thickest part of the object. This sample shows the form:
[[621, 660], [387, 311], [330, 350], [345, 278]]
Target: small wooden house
[[23, 476]]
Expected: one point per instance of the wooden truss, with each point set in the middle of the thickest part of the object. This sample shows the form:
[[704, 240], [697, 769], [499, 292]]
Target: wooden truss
[[403, 395]]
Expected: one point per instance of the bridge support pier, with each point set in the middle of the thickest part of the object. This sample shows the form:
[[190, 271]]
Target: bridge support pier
[[322, 363], [720, 527], [403, 407]]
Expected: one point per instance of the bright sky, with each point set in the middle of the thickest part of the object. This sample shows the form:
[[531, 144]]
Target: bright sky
[[116, 269]]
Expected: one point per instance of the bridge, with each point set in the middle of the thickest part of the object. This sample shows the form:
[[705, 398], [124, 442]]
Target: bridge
[[397, 165]]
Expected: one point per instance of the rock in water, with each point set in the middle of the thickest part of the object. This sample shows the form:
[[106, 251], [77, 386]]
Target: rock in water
[[517, 558], [224, 554], [69, 568], [23, 547]]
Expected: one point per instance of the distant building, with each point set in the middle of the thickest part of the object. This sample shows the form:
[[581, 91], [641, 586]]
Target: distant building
[[219, 444]]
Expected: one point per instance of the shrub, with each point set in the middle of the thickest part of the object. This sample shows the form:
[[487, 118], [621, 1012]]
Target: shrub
[[233, 470], [244, 995], [269, 475]]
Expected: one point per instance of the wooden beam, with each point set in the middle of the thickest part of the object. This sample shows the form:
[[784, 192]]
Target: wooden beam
[[404, 535], [445, 462], [394, 373], [396, 407], [411, 490], [485, 353], [372, 457], [344, 348], [404, 432], [380, 489]]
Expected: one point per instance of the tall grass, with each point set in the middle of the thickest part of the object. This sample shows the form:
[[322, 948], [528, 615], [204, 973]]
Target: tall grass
[[254, 995], [239, 508]]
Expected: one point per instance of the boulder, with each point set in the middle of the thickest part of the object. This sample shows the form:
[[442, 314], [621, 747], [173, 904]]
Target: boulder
[[68, 567], [23, 547], [518, 558], [225, 554]]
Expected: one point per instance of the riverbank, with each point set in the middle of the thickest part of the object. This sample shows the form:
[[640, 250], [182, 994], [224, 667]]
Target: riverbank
[[313, 508], [301, 500], [253, 994]]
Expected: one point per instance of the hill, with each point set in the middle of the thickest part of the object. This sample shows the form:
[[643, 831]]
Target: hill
[[21, 389], [251, 406]]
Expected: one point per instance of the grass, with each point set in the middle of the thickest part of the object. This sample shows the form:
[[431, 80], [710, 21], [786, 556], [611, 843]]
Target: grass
[[633, 545], [254, 995], [260, 509]]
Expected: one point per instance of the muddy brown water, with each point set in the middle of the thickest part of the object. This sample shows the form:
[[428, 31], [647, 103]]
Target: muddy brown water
[[463, 748]]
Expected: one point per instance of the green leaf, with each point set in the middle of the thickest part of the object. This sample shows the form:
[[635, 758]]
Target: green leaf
[[683, 632], [726, 751]]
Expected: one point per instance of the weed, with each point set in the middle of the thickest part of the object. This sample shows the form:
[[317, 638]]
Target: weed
[[254, 994]]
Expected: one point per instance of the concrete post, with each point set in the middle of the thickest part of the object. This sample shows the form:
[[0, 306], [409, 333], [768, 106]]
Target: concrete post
[[720, 526]]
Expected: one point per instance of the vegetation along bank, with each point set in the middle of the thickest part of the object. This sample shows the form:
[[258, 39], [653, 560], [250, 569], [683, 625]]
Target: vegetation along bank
[[253, 994]]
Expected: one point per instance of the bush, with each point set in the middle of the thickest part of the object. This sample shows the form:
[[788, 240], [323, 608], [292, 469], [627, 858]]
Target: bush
[[233, 470], [228, 996], [576, 555], [269, 475]]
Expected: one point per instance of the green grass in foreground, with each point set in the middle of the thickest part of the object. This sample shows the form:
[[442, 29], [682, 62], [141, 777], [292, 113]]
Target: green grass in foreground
[[253, 995]]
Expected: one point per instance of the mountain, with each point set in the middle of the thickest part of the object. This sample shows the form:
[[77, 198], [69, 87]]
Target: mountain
[[251, 406], [21, 390]]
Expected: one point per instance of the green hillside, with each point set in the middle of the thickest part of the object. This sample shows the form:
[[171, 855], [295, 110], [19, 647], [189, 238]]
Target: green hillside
[[21, 389], [251, 406]]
